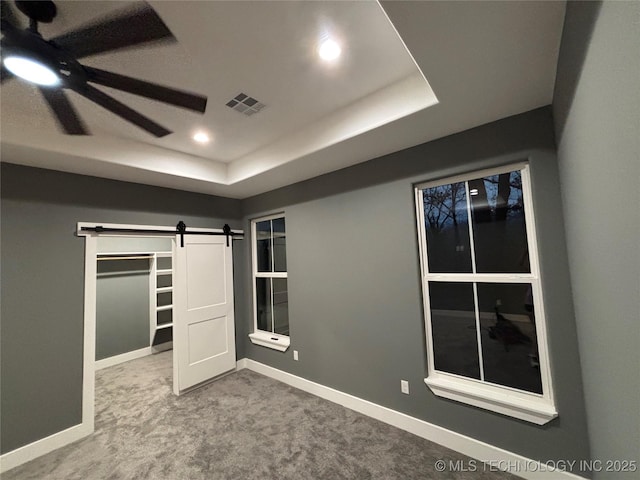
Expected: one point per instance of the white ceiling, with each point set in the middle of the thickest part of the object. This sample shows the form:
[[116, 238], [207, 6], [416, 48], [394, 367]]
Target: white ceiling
[[482, 61]]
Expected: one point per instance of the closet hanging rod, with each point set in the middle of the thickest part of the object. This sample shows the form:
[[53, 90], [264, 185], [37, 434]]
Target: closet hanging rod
[[181, 229], [125, 257]]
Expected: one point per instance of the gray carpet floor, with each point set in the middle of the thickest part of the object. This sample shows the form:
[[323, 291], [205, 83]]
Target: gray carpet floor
[[243, 426]]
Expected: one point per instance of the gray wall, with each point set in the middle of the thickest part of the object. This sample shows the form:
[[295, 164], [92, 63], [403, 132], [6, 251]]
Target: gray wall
[[354, 288], [355, 300], [597, 114], [122, 307], [43, 283]]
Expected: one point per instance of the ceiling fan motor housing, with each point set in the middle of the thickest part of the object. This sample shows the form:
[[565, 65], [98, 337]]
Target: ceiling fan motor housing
[[43, 11]]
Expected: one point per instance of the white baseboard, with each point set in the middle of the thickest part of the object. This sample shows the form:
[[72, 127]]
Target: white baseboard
[[484, 452], [125, 357], [43, 446], [161, 347]]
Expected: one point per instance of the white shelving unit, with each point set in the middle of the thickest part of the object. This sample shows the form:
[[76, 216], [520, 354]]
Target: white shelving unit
[[161, 285]]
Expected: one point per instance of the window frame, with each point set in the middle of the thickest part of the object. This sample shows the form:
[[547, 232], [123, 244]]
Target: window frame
[[528, 406], [265, 338]]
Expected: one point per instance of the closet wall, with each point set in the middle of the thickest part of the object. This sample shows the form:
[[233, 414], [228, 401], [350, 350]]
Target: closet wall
[[122, 307]]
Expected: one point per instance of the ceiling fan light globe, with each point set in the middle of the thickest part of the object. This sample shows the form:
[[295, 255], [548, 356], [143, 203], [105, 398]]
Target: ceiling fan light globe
[[31, 70]]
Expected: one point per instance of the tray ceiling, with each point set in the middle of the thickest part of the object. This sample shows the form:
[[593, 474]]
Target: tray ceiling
[[409, 72]]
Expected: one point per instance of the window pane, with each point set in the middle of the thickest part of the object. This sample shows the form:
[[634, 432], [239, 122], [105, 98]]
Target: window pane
[[263, 246], [280, 306], [499, 229], [509, 347], [279, 245], [263, 304], [453, 325], [446, 222]]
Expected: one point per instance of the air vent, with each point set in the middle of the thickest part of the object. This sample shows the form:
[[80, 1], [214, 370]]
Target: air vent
[[243, 103]]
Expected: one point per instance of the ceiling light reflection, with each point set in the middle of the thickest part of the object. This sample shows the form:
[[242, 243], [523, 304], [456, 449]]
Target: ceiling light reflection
[[329, 50], [201, 137]]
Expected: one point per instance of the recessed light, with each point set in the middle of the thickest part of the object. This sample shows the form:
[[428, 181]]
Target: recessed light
[[329, 50], [201, 137], [31, 70]]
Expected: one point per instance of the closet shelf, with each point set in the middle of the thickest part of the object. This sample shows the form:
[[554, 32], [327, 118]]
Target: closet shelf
[[164, 289], [122, 254], [164, 307], [164, 254], [167, 271], [164, 325]]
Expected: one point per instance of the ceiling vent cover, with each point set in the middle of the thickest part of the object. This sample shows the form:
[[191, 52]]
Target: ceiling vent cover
[[243, 103]]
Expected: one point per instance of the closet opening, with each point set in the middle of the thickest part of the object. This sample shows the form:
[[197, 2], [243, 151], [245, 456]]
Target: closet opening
[[128, 313], [134, 298], [162, 297]]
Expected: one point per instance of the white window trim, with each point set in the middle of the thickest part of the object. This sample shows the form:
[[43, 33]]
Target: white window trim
[[262, 337], [270, 340], [531, 407]]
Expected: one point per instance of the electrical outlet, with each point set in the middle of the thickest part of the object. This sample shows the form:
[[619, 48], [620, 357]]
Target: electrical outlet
[[404, 386], [295, 355]]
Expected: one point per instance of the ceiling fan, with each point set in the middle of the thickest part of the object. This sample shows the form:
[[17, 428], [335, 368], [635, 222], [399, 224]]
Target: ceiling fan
[[53, 64]]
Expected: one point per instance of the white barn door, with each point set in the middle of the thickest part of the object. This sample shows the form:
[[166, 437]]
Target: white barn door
[[203, 323]]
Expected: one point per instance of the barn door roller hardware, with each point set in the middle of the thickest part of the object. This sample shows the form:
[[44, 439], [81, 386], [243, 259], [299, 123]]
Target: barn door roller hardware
[[181, 229]]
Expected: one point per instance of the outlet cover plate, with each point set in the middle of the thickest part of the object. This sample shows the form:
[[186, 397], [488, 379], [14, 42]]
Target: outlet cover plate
[[404, 386]]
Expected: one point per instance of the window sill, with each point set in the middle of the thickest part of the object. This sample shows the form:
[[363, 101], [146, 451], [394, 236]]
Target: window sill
[[529, 407], [276, 342]]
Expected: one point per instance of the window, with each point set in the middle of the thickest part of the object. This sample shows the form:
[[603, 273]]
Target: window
[[270, 292], [484, 315]]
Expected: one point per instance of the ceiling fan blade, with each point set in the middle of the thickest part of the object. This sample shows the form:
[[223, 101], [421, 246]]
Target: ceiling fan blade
[[8, 20], [125, 29], [122, 110], [154, 91], [63, 110]]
